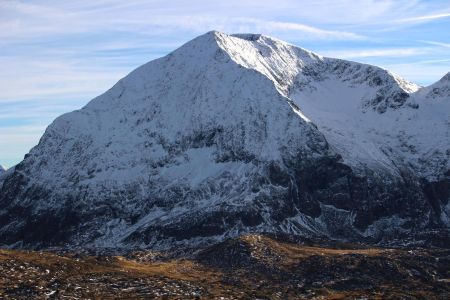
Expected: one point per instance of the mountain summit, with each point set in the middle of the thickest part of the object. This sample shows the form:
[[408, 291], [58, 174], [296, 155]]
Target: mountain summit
[[238, 133]]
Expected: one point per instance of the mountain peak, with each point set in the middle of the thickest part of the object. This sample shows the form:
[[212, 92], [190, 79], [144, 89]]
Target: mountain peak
[[247, 36], [256, 39]]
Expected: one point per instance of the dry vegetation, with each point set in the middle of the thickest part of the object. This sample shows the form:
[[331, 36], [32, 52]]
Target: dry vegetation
[[249, 267]]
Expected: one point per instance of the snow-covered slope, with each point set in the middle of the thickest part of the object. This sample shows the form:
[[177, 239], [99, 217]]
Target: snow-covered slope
[[237, 133], [369, 127]]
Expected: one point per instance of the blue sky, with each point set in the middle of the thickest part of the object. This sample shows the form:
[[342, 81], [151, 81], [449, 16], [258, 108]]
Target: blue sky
[[57, 55]]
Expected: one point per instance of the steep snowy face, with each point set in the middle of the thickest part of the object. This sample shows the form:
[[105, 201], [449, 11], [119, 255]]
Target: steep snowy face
[[427, 130], [368, 115], [231, 134], [371, 117], [195, 98], [2, 169], [276, 60]]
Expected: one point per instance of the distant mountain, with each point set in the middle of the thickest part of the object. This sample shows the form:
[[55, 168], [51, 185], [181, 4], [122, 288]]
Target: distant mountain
[[239, 133]]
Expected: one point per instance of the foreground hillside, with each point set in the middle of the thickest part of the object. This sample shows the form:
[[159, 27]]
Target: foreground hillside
[[252, 266]]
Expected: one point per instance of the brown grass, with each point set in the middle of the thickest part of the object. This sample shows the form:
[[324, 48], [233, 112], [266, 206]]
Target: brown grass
[[291, 271]]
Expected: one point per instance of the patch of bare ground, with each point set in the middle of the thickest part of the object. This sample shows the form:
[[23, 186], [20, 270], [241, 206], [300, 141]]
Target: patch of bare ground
[[249, 267]]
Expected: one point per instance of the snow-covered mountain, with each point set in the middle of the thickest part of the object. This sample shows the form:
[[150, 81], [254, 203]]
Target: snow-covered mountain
[[239, 133]]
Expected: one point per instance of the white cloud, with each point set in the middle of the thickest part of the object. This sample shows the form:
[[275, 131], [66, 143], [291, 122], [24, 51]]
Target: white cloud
[[309, 30], [20, 20], [30, 78], [445, 45], [391, 52], [424, 18], [62, 23]]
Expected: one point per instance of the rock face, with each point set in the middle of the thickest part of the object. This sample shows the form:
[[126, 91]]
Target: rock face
[[3, 174], [239, 133]]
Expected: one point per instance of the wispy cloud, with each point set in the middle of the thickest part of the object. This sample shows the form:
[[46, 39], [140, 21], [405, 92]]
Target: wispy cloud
[[313, 31], [445, 45], [424, 18], [391, 52], [29, 21], [28, 79]]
